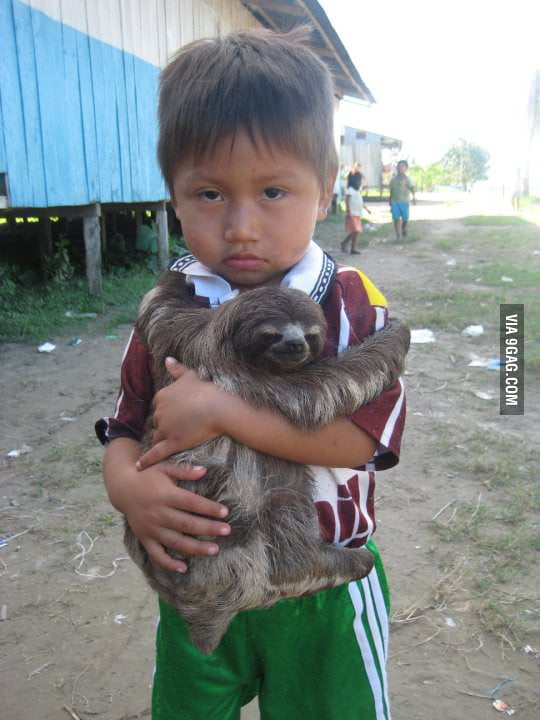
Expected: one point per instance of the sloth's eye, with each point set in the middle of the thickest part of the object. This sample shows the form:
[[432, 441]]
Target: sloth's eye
[[271, 337], [311, 337]]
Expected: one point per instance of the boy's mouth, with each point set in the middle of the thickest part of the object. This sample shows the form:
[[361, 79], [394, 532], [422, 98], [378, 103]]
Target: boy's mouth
[[244, 262]]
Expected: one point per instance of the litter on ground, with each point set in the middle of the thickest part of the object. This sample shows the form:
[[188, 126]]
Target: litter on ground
[[489, 363], [473, 330], [23, 450], [71, 314], [503, 707], [483, 395], [422, 336]]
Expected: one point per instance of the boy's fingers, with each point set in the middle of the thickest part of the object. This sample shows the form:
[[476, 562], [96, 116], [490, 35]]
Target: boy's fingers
[[183, 471], [161, 451], [157, 553], [190, 502], [188, 545], [174, 368], [186, 522]]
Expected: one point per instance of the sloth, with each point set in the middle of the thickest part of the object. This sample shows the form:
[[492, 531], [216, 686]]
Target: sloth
[[264, 345]]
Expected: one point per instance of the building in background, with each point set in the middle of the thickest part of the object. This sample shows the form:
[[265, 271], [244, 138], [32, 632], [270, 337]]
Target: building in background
[[376, 153], [78, 98]]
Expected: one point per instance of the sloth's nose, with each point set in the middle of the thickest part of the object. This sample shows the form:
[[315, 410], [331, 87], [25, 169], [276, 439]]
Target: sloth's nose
[[294, 345]]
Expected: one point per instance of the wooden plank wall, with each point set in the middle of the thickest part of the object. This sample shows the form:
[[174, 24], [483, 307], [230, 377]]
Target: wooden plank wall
[[78, 91]]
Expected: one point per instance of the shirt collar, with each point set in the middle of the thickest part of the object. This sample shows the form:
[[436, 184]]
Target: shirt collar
[[313, 274]]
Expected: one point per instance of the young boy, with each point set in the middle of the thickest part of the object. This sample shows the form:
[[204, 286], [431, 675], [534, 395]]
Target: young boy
[[246, 147], [353, 219], [401, 189]]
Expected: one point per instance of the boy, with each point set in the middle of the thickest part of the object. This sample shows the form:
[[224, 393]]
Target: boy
[[401, 189], [353, 219], [246, 147]]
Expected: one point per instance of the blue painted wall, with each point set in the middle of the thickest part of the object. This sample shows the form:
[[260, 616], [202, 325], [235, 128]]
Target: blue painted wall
[[77, 116]]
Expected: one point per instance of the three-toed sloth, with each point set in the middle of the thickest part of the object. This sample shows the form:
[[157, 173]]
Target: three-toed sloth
[[264, 345]]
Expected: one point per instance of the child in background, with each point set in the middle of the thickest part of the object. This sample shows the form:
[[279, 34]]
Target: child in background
[[246, 148], [353, 220], [401, 189]]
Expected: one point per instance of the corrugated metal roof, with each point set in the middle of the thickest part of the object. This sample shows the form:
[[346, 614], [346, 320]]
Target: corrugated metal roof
[[282, 15]]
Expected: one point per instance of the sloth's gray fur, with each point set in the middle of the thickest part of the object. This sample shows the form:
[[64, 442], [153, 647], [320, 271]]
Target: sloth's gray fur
[[251, 346]]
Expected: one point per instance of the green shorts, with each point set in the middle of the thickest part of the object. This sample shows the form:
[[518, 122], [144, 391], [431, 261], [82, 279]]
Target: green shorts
[[321, 657]]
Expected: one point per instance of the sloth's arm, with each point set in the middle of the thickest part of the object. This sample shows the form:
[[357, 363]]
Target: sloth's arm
[[169, 325], [330, 388], [192, 410]]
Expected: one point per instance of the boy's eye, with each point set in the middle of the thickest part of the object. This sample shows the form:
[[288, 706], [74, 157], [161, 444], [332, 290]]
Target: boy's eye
[[211, 195], [272, 193]]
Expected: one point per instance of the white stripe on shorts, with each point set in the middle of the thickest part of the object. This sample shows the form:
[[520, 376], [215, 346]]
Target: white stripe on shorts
[[376, 620], [380, 609], [378, 685]]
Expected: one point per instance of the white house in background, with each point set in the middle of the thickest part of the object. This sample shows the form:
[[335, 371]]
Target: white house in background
[[377, 153]]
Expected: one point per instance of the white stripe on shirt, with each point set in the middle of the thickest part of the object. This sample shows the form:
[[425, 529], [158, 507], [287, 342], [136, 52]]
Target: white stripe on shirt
[[391, 422]]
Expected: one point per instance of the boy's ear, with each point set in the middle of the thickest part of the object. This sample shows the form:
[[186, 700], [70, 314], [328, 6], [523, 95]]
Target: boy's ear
[[325, 199]]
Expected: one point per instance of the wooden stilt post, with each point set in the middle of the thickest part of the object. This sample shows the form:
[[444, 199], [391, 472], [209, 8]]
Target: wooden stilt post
[[92, 244], [45, 237], [138, 223], [103, 231], [163, 236]]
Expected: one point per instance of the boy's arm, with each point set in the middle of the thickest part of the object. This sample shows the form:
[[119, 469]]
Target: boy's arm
[[191, 411], [158, 512]]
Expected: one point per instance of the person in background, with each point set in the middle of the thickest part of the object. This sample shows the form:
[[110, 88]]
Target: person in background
[[356, 176], [353, 218], [401, 190]]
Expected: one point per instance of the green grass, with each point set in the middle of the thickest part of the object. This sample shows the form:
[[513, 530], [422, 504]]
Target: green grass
[[523, 275], [34, 314], [500, 220], [451, 309], [498, 532]]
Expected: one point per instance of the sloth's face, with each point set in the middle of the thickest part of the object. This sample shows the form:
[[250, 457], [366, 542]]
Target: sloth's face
[[282, 347]]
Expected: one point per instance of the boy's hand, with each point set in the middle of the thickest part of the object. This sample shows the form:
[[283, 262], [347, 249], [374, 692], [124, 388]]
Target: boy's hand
[[185, 414], [163, 515]]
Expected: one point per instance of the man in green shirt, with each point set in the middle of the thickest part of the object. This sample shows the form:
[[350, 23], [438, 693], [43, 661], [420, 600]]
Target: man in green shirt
[[401, 189]]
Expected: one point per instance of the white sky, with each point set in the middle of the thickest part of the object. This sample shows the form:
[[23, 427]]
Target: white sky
[[444, 69]]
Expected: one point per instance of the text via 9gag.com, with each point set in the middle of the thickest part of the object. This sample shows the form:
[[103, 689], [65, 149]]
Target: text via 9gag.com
[[512, 388]]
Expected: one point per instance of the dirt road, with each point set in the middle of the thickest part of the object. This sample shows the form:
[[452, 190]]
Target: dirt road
[[77, 622]]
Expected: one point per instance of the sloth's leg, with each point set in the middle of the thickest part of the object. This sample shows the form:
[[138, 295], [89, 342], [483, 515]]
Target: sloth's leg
[[330, 567], [206, 635]]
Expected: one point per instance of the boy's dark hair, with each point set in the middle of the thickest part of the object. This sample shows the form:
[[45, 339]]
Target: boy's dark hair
[[403, 162], [270, 85]]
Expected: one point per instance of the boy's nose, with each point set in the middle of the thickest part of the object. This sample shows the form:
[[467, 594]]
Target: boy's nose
[[241, 224]]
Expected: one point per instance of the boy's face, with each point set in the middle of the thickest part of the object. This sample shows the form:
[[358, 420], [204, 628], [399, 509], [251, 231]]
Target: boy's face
[[402, 168], [248, 213]]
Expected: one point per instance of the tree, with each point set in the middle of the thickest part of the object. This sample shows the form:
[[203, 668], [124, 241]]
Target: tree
[[466, 163], [429, 177]]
